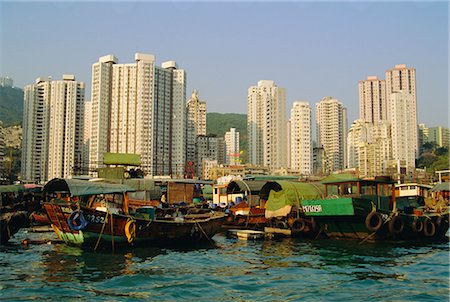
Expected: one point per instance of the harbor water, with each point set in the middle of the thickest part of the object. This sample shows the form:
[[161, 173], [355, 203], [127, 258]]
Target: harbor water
[[231, 270]]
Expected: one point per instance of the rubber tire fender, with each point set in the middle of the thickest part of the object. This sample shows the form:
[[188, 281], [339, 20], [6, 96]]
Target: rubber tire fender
[[373, 221], [298, 225], [396, 225], [429, 229]]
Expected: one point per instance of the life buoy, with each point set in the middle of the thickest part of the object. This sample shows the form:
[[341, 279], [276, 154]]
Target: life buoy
[[429, 229], [298, 225], [373, 221], [77, 221], [130, 230], [396, 225], [417, 226]]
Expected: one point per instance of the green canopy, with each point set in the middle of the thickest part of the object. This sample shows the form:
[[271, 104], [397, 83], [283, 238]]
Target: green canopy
[[78, 187], [12, 189], [284, 194], [122, 159], [340, 178]]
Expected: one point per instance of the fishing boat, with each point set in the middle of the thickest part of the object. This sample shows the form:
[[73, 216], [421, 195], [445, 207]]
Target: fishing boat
[[368, 209], [16, 201], [97, 214]]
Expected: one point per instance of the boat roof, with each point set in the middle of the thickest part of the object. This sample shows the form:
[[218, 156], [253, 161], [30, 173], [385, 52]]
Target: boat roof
[[245, 185], [343, 178], [78, 187], [445, 186]]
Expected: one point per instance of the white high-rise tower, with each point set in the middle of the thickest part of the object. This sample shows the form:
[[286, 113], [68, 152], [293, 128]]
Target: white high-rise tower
[[140, 108], [331, 133], [266, 124], [53, 129], [402, 114], [301, 138], [372, 100]]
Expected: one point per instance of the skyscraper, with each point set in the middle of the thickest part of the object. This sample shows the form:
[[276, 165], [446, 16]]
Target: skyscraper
[[141, 109], [53, 129], [196, 124], [331, 120], [404, 131], [266, 124], [372, 100], [232, 147], [100, 110], [301, 138]]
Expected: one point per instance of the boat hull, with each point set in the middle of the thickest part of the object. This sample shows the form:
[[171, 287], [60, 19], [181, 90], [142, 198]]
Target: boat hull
[[350, 218], [10, 223], [113, 229]]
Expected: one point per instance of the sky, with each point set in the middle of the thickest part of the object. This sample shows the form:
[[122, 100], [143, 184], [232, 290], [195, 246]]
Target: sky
[[312, 49]]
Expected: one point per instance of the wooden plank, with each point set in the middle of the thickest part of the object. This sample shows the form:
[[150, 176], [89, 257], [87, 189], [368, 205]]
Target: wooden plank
[[287, 232]]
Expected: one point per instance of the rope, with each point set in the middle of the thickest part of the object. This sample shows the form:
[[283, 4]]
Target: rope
[[204, 233], [101, 232], [112, 231]]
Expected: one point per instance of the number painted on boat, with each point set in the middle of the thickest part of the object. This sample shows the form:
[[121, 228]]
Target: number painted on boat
[[95, 219], [312, 209]]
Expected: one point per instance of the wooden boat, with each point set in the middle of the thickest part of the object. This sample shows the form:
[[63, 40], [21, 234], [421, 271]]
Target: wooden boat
[[93, 214], [10, 224], [246, 209], [15, 200], [366, 209]]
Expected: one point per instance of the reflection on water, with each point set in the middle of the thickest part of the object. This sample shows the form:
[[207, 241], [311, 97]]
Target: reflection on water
[[268, 270], [69, 264]]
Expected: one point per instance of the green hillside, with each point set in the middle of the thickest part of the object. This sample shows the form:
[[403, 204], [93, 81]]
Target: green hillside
[[11, 105], [219, 123]]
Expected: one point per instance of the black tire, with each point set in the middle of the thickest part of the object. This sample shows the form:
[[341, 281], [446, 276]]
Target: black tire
[[396, 225], [374, 221], [429, 229], [298, 225]]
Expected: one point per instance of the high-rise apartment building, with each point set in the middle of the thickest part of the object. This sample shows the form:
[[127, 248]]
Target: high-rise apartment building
[[266, 124], [208, 149], [359, 132], [139, 108], [400, 82], [440, 136], [87, 136], [401, 78], [372, 100], [301, 156], [331, 120], [196, 124], [404, 129], [53, 129], [232, 152], [100, 110]]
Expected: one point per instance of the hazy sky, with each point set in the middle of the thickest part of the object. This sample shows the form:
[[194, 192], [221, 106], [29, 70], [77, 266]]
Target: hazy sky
[[312, 49]]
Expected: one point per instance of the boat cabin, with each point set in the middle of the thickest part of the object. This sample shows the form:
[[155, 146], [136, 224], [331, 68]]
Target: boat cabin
[[379, 190], [411, 195]]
